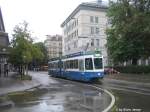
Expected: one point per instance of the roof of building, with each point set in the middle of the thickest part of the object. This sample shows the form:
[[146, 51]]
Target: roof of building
[[86, 6], [2, 28], [53, 38], [4, 40]]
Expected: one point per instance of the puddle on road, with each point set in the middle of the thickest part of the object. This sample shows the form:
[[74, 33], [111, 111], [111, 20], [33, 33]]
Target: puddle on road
[[59, 98]]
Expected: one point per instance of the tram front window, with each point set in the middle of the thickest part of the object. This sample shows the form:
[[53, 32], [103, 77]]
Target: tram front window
[[88, 64], [98, 63]]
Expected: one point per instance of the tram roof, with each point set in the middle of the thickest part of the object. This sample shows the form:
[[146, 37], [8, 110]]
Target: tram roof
[[53, 59], [77, 54], [82, 53]]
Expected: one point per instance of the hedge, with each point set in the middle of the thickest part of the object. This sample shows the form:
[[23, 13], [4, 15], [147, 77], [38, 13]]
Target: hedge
[[133, 69]]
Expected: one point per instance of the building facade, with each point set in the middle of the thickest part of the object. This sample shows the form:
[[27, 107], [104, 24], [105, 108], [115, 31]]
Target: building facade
[[4, 42], [84, 29], [53, 45]]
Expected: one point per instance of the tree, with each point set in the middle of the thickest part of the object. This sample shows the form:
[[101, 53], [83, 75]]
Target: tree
[[128, 36], [44, 58], [23, 50]]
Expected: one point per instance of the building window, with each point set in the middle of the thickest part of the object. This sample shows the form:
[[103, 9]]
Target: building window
[[75, 44], [109, 21], [97, 30], [91, 19], [92, 42], [92, 30], [77, 22], [96, 19], [97, 42], [77, 32]]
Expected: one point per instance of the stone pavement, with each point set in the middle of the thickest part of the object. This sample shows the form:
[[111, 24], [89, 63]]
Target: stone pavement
[[9, 84]]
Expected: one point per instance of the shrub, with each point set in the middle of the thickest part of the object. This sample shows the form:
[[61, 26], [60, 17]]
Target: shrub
[[23, 77]]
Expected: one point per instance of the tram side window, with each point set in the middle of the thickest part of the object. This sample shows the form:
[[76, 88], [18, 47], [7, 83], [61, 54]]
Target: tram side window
[[60, 64], [88, 64], [68, 64], [63, 64], [55, 65], [71, 64], [81, 65], [52, 65], [75, 64], [49, 65]]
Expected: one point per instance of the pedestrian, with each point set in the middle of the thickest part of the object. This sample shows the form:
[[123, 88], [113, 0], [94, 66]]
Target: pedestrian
[[6, 70]]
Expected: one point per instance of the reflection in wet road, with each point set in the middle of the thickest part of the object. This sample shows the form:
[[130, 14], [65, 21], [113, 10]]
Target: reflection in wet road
[[60, 96]]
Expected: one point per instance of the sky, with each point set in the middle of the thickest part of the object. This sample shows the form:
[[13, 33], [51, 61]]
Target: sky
[[44, 16]]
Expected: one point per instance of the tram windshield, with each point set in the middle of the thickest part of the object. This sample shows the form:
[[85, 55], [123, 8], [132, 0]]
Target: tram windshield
[[88, 64], [98, 63]]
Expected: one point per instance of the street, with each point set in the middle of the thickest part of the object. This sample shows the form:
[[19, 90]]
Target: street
[[130, 96], [59, 95]]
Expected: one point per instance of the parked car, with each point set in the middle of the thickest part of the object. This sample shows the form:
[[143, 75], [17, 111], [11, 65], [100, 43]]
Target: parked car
[[110, 70]]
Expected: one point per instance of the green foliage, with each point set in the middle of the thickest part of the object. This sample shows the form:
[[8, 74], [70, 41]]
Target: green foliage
[[23, 50], [21, 46], [128, 37], [42, 53], [133, 69]]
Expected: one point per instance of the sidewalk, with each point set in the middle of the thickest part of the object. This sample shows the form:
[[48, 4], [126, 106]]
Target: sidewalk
[[8, 84], [140, 78]]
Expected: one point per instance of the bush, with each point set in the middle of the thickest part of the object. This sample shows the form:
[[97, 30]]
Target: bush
[[133, 69]]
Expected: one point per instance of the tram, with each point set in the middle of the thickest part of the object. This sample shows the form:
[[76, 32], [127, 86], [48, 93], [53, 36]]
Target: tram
[[81, 66]]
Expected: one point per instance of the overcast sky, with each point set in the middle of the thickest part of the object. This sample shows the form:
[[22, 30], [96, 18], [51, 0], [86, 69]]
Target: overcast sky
[[44, 16]]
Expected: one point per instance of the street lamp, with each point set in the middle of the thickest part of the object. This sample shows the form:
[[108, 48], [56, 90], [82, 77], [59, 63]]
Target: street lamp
[[4, 49]]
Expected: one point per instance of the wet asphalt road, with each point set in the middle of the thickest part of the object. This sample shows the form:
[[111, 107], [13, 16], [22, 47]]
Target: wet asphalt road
[[130, 96], [57, 95], [64, 96]]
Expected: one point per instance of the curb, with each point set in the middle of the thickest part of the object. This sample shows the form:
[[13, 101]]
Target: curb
[[38, 85]]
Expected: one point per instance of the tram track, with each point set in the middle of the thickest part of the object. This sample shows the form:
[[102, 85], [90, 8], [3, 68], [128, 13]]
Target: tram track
[[127, 89], [138, 88]]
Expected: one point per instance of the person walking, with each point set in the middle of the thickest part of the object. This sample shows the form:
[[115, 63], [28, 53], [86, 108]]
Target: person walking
[[6, 70]]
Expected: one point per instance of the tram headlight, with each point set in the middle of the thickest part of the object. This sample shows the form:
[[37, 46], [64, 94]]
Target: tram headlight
[[99, 73]]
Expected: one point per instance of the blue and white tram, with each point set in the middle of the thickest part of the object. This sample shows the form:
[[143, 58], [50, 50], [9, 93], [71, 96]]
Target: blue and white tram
[[78, 66], [54, 67]]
